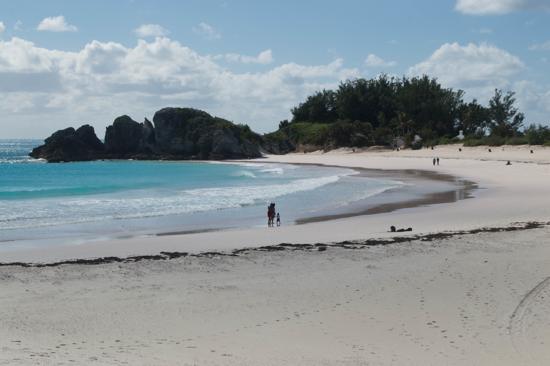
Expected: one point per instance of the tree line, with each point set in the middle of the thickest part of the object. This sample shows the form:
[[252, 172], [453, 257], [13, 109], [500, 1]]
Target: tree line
[[377, 111]]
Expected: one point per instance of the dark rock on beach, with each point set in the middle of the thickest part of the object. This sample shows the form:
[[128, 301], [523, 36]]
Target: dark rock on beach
[[175, 134]]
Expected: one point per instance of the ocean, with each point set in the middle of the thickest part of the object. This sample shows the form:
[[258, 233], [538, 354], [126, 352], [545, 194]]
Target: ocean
[[44, 203]]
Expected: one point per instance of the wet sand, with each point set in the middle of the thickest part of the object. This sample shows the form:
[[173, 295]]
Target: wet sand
[[404, 197]]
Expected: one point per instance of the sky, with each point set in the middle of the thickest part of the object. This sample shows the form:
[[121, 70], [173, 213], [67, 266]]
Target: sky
[[70, 62]]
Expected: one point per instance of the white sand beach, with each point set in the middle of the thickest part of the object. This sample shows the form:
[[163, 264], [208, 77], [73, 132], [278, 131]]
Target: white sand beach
[[468, 299]]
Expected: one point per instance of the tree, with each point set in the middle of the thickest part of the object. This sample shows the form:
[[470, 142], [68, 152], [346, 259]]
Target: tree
[[429, 105], [474, 119], [284, 123], [403, 107], [505, 119], [319, 107]]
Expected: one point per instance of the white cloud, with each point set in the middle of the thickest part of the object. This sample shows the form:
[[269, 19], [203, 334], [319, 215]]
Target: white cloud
[[151, 30], [480, 68], [535, 99], [498, 7], [2, 27], [470, 66], [56, 24], [544, 46], [207, 31], [107, 79], [375, 61], [264, 58]]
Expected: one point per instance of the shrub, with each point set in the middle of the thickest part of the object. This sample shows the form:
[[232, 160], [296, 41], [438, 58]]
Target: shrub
[[495, 140], [447, 141], [537, 135], [346, 133], [474, 142], [518, 140], [487, 140]]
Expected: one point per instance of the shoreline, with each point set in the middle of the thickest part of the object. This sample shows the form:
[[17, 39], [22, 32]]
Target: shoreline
[[409, 195], [464, 190], [504, 199]]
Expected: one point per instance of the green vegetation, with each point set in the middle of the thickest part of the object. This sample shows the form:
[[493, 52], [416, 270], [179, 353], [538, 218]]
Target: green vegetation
[[387, 111]]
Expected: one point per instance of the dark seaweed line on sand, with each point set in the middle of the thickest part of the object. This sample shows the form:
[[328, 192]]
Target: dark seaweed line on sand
[[355, 244]]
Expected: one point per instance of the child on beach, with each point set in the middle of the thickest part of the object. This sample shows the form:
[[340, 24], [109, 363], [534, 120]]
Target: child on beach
[[278, 219]]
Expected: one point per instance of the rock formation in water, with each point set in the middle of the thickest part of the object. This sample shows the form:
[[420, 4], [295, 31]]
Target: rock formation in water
[[70, 145], [176, 133]]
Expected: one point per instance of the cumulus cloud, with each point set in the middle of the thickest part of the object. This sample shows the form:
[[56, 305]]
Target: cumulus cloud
[[470, 66], [207, 31], [535, 99], [106, 79], [264, 58], [56, 24], [480, 68], [498, 7], [151, 30], [376, 61]]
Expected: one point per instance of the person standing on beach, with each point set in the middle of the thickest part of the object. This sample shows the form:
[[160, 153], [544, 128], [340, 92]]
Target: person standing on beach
[[271, 215], [278, 219], [437, 159], [434, 161]]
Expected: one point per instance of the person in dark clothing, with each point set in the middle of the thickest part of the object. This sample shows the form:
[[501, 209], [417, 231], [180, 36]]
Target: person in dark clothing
[[433, 161], [437, 159], [278, 219], [271, 215]]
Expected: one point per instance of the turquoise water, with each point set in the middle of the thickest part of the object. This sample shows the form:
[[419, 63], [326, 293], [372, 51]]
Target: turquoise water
[[88, 200]]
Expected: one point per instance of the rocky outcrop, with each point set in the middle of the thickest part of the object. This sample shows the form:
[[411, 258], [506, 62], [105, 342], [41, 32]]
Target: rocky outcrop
[[176, 133], [196, 134], [277, 143], [70, 145], [126, 138]]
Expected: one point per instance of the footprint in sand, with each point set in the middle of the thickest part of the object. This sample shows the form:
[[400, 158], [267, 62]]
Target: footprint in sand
[[530, 324]]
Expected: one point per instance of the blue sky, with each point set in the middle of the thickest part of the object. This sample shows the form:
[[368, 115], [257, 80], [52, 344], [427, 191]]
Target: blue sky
[[71, 62]]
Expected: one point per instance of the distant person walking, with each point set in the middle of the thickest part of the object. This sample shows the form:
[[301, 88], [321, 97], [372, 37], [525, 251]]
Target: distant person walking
[[437, 159], [278, 219], [434, 161]]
